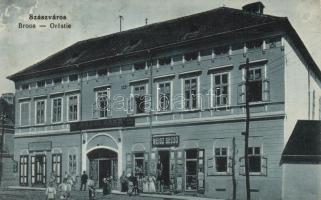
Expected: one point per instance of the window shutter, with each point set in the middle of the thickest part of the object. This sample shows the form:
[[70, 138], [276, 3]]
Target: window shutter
[[173, 155], [146, 163], [266, 90], [129, 163], [201, 171], [152, 163], [241, 93], [264, 166], [33, 158], [179, 170], [229, 164], [131, 101], [242, 166], [24, 114], [210, 166], [44, 165]]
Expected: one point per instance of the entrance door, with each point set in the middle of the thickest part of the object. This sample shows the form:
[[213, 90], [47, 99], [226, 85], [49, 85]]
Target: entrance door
[[164, 160], [104, 170]]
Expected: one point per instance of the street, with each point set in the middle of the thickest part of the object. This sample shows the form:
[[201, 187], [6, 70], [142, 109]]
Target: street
[[76, 195]]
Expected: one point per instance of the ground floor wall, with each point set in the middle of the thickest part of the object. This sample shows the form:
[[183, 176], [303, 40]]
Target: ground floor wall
[[206, 159]]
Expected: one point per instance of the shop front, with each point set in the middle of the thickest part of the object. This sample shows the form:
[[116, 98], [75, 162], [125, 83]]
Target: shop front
[[180, 169]]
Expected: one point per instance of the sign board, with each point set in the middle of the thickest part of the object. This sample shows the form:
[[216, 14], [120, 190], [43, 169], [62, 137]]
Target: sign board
[[40, 146], [103, 123], [165, 141]]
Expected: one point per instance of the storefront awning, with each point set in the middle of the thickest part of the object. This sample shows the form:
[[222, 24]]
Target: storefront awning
[[304, 144]]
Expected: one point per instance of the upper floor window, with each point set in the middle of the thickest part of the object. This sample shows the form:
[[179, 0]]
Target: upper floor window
[[191, 56], [24, 113], [220, 92], [25, 86], [56, 110], [102, 72], [57, 80], [41, 84], [164, 96], [103, 97], [139, 96], [190, 93], [40, 111], [255, 84], [140, 66], [255, 44], [206, 52], [73, 108], [222, 50], [73, 77], [49, 82], [164, 61]]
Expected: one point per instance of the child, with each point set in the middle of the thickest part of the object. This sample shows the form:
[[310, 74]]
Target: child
[[51, 192], [91, 189], [65, 188]]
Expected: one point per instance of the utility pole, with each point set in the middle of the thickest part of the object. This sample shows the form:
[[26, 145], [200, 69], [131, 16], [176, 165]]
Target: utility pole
[[233, 170], [247, 128], [120, 22]]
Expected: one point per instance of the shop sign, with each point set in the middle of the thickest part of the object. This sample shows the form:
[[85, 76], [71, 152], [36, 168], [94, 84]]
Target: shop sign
[[103, 123], [40, 146], [165, 141]]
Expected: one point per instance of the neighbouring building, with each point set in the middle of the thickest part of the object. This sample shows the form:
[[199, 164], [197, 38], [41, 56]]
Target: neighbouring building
[[8, 166], [170, 95]]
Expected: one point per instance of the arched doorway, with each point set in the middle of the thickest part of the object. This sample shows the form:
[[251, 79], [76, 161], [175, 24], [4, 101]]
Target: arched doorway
[[102, 163]]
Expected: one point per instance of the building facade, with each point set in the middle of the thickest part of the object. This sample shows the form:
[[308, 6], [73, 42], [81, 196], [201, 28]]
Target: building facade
[[170, 95]]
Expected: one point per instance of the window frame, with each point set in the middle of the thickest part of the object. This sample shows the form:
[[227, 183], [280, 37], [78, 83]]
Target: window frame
[[262, 78], [139, 158], [213, 84], [221, 156], [256, 155], [108, 92], [25, 176], [29, 114], [45, 111], [197, 96], [134, 95], [72, 153], [53, 166], [170, 96], [61, 110], [68, 107]]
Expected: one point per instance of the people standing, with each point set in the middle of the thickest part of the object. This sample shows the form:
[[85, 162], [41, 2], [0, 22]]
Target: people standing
[[91, 188], [105, 186], [65, 188], [51, 191], [84, 178], [159, 176], [151, 186], [123, 183]]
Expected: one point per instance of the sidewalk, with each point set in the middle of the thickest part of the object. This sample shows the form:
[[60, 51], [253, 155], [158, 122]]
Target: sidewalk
[[116, 192]]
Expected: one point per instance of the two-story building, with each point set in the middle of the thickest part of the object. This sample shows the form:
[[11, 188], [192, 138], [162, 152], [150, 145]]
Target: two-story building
[[170, 95]]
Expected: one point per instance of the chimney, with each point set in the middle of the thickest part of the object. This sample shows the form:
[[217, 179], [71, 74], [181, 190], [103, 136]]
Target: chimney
[[256, 8]]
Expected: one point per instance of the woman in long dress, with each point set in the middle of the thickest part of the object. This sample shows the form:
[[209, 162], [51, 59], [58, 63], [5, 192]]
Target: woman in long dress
[[152, 188], [145, 184]]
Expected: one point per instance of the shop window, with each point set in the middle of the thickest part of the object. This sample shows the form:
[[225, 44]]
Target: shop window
[[164, 96], [23, 178], [221, 84], [194, 170], [103, 98], [221, 159], [38, 170], [73, 77], [190, 93], [255, 85], [56, 166], [24, 113], [40, 111], [41, 84], [73, 108], [56, 110]]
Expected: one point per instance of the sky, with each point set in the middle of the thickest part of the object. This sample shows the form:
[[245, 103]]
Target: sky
[[20, 48]]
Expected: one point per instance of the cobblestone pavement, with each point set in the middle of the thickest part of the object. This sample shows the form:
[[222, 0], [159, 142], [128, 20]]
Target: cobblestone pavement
[[76, 195]]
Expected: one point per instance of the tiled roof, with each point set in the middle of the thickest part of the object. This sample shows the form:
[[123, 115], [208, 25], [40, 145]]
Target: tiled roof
[[304, 144], [213, 22]]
